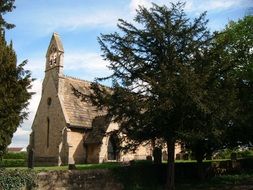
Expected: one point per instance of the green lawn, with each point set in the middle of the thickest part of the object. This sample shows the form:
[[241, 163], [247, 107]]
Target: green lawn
[[78, 167], [194, 161]]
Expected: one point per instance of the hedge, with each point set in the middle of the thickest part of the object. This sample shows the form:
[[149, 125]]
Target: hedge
[[13, 163], [19, 155]]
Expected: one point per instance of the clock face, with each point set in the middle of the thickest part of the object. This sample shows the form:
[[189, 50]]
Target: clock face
[[52, 56]]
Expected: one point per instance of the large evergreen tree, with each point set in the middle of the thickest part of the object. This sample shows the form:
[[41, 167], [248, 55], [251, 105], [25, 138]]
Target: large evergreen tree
[[168, 78], [14, 84]]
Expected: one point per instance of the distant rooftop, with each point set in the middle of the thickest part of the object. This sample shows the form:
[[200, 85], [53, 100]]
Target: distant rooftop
[[16, 149]]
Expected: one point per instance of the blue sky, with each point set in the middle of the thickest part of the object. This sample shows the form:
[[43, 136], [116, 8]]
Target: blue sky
[[79, 23]]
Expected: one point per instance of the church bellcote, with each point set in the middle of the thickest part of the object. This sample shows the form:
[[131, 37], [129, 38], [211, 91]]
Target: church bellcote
[[54, 61], [54, 56]]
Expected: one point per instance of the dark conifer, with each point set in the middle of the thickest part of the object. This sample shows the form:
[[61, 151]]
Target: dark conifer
[[14, 84], [168, 77]]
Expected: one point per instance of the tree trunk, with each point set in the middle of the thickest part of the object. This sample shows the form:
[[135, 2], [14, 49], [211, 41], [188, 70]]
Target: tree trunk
[[157, 153], [201, 172], [171, 165], [200, 166]]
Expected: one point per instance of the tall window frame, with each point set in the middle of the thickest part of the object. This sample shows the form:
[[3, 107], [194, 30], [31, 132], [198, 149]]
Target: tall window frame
[[48, 128]]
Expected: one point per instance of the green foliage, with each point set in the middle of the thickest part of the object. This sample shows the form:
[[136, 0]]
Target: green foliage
[[169, 80], [14, 160], [17, 179], [238, 181], [239, 39], [14, 84], [12, 163], [19, 155], [245, 154], [6, 6], [226, 154], [223, 154]]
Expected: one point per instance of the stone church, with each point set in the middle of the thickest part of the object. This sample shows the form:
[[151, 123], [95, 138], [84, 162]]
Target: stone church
[[67, 130]]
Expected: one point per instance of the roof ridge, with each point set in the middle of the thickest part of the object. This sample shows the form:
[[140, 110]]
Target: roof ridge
[[75, 78], [83, 80]]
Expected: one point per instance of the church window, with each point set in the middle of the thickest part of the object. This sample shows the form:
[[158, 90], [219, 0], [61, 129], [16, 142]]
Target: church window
[[48, 126], [51, 59], [112, 151], [53, 56], [49, 101]]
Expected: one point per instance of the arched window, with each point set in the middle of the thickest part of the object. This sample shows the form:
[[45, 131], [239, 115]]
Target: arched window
[[49, 101], [112, 149], [48, 126]]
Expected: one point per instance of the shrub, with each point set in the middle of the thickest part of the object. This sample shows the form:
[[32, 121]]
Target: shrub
[[19, 155], [226, 154], [223, 154], [12, 163], [245, 154], [16, 179]]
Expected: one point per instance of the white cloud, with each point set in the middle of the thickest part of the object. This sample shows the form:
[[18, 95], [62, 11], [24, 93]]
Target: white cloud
[[211, 5], [84, 60], [196, 5], [20, 138], [46, 22], [85, 65], [73, 20], [36, 65], [34, 102], [134, 4], [21, 132]]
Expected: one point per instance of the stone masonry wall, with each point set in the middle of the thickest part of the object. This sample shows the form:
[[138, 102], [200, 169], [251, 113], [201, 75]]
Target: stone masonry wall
[[48, 115], [74, 180], [76, 148]]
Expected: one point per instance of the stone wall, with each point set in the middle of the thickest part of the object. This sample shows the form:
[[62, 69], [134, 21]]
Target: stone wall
[[76, 147], [74, 180]]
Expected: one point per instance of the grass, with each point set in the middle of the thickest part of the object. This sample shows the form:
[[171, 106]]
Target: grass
[[20, 164], [108, 165], [194, 161]]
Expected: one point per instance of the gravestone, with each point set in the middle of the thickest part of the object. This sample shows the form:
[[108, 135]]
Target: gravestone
[[30, 163]]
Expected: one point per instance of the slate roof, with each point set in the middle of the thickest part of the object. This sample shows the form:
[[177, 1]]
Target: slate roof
[[80, 114]]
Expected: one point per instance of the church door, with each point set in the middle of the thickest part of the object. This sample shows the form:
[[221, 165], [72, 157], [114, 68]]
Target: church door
[[112, 151]]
